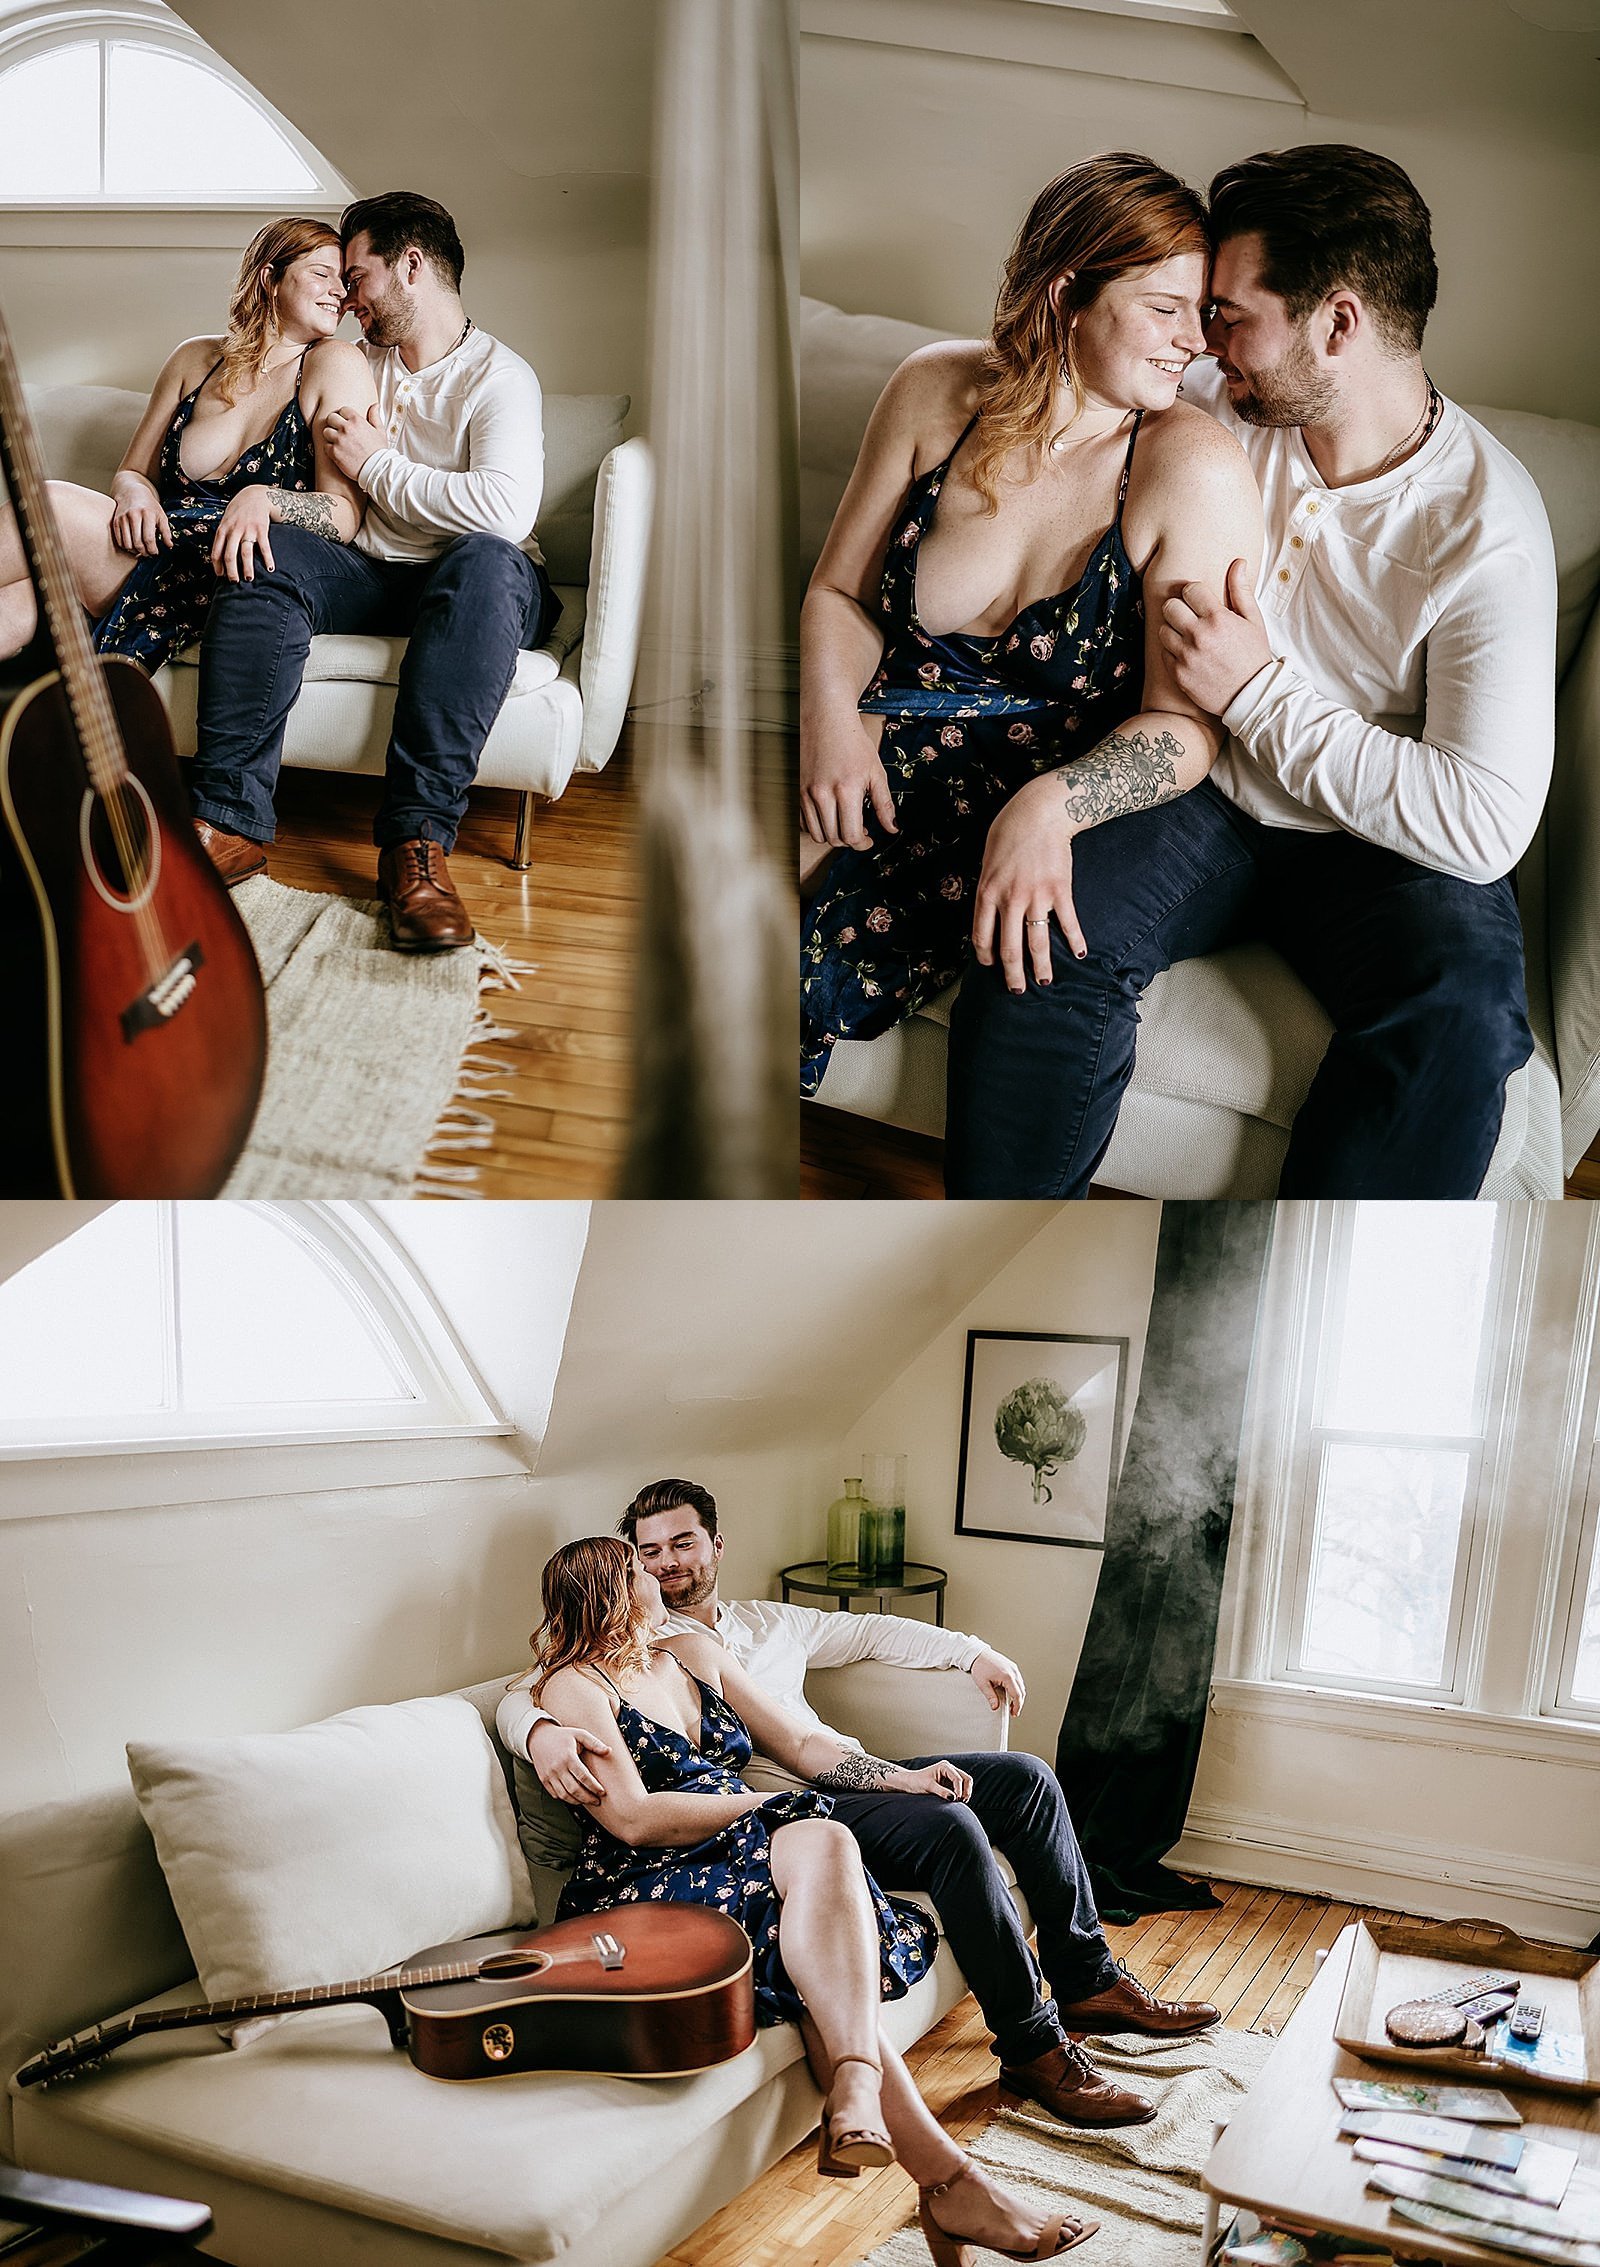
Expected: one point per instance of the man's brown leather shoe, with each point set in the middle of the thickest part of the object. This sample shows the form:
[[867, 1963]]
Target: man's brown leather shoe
[[1127, 2006], [1066, 2083], [425, 914], [235, 856]]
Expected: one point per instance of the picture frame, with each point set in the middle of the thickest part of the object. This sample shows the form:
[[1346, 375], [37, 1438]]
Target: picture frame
[[1061, 1392]]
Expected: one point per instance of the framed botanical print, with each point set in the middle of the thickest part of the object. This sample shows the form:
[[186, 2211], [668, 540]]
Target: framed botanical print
[[1041, 1434]]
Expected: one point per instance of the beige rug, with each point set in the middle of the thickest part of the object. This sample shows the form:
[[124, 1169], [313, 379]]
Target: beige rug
[[1141, 2182], [373, 1068]]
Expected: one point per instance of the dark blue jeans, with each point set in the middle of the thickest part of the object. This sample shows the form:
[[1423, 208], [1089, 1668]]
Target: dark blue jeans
[[919, 1842], [466, 613], [1421, 975]]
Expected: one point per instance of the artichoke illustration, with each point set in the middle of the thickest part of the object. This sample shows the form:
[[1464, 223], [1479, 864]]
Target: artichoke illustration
[[1039, 1426]]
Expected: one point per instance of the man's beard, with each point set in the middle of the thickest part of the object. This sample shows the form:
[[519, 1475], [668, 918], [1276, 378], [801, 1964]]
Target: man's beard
[[1292, 392], [390, 321], [696, 1590]]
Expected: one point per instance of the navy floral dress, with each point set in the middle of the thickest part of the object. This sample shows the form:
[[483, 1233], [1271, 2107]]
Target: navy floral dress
[[732, 1868], [161, 608], [968, 721]]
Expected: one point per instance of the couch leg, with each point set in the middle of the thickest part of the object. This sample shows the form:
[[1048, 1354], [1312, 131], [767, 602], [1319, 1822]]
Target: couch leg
[[522, 854]]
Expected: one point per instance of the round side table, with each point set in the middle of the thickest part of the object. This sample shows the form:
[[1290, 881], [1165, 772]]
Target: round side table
[[812, 1581]]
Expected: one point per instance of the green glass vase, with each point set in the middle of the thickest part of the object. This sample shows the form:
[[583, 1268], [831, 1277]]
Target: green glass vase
[[847, 1517]]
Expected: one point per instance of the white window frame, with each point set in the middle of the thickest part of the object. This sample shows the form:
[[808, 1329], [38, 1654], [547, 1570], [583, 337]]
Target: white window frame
[[1288, 1439], [449, 1426], [52, 24], [1203, 15], [1578, 1495]]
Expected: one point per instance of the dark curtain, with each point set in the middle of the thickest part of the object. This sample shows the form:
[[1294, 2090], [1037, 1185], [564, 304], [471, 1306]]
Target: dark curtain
[[1131, 1734]]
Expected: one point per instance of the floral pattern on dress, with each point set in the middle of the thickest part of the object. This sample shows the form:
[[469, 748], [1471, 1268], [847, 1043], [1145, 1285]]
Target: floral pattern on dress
[[162, 606], [732, 1868], [967, 721]]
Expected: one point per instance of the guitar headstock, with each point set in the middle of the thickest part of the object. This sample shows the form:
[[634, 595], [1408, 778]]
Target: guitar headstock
[[67, 2058]]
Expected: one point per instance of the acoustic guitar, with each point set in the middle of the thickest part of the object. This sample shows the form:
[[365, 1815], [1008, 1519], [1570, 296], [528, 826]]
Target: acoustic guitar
[[133, 1026], [643, 1991]]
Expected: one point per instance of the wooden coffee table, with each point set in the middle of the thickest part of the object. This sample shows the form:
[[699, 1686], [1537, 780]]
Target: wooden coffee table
[[1281, 2157]]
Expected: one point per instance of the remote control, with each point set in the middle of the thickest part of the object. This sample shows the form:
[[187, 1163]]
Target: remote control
[[1526, 2020], [1458, 1995]]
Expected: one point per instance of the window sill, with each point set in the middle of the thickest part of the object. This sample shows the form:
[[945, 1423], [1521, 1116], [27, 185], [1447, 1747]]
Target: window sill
[[164, 1474], [1410, 1723], [176, 225]]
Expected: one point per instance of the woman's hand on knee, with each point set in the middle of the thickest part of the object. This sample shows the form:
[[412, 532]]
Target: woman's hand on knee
[[1026, 880], [840, 775], [139, 526]]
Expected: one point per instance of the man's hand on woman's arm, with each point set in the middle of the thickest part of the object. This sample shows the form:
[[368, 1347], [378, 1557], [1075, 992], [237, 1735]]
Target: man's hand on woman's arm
[[556, 1752], [1194, 509]]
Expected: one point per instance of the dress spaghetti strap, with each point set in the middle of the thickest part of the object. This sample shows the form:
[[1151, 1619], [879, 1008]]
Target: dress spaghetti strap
[[604, 1679], [1127, 465]]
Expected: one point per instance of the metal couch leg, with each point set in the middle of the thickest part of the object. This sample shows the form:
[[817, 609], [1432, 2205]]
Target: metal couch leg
[[522, 855]]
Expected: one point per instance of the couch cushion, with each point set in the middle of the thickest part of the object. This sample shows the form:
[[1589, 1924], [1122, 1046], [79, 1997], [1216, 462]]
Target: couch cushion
[[313, 1856]]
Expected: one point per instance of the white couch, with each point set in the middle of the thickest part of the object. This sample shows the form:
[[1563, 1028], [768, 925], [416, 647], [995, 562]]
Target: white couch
[[567, 701], [1229, 1043], [318, 2142]]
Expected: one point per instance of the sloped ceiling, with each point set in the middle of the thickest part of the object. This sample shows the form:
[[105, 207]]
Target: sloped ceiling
[[1530, 65], [712, 1327]]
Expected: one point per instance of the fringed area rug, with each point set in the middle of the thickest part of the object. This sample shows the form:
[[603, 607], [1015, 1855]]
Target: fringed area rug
[[1141, 2182], [374, 1059]]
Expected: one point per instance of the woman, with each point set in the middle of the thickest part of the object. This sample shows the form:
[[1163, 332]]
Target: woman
[[225, 447], [1021, 508], [675, 1821]]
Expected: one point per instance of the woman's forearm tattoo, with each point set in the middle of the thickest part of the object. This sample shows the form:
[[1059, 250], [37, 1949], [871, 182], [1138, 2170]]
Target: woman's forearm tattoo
[[314, 513], [856, 1774], [1128, 771]]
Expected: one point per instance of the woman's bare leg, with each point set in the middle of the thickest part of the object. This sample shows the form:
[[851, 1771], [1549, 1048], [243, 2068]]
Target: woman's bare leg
[[828, 1935], [83, 517]]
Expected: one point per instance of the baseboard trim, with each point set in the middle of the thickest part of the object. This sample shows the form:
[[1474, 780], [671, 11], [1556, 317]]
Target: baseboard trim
[[1395, 1871]]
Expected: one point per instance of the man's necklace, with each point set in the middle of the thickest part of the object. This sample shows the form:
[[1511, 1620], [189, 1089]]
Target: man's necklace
[[1420, 433], [467, 325]]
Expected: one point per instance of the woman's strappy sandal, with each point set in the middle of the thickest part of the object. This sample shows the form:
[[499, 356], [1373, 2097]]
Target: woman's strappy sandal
[[844, 2151], [1063, 2233]]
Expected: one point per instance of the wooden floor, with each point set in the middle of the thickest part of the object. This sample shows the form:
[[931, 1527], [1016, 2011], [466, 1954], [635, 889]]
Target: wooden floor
[[561, 1129], [1252, 1959]]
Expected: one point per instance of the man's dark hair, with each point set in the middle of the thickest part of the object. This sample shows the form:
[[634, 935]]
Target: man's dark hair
[[1327, 215], [667, 1495], [400, 218]]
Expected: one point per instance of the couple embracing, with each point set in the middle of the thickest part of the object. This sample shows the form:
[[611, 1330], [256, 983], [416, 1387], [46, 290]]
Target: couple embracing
[[648, 1694], [284, 482], [1098, 675]]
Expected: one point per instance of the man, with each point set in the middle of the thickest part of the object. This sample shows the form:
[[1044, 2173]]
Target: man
[[914, 1841], [1389, 711], [451, 462]]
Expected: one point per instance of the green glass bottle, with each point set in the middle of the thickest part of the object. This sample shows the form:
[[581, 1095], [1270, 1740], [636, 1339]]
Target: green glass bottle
[[846, 1517], [883, 1553]]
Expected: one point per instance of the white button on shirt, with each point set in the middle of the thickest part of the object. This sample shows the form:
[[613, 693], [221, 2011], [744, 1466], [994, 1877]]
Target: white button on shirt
[[1412, 700]]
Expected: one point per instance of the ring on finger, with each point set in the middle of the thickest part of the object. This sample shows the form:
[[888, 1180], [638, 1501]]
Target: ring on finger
[[1043, 922]]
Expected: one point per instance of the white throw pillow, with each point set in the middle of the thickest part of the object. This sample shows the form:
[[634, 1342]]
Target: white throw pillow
[[324, 1854]]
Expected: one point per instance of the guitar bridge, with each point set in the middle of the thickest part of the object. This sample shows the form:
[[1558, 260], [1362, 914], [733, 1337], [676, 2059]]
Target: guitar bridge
[[159, 1002], [607, 1950]]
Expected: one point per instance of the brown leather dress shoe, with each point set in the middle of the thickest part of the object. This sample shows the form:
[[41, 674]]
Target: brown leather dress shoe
[[235, 856], [1066, 2083], [425, 914], [1127, 2006]]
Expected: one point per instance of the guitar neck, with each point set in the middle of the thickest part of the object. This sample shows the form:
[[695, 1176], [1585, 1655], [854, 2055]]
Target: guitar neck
[[94, 2044], [53, 580]]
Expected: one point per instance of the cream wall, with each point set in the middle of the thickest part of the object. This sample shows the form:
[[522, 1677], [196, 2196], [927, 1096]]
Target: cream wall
[[530, 119], [924, 139], [1088, 1268]]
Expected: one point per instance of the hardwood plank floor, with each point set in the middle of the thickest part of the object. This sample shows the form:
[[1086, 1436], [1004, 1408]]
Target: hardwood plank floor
[[1253, 1959], [561, 1127]]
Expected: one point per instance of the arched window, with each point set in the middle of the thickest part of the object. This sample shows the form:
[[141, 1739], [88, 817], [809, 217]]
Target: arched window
[[127, 106], [229, 1324]]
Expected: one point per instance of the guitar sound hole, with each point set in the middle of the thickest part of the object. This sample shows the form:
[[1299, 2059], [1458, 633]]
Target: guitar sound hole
[[513, 1963], [118, 841]]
